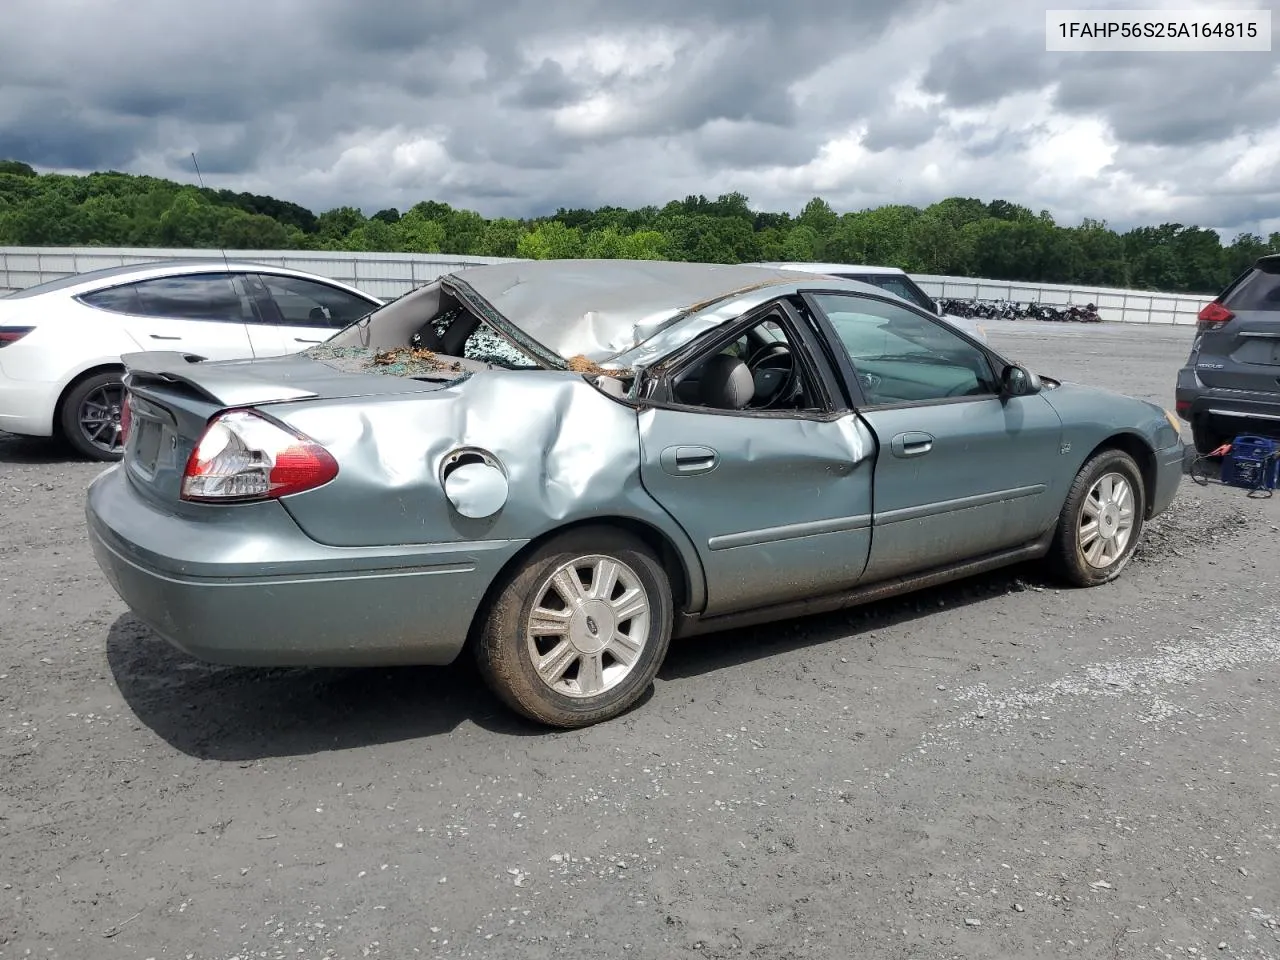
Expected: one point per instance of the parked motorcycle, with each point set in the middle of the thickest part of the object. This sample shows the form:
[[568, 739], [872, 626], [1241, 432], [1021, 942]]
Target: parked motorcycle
[[1016, 310]]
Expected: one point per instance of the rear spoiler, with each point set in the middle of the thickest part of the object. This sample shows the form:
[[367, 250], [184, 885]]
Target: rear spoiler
[[226, 384]]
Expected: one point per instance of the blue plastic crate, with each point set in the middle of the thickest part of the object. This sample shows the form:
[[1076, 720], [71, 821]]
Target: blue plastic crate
[[1253, 463]]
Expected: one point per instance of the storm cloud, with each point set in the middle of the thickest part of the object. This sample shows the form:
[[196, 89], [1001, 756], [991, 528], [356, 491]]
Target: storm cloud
[[515, 107]]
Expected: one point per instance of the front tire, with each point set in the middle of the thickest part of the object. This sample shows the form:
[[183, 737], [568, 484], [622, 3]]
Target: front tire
[[1101, 521], [90, 416], [577, 633]]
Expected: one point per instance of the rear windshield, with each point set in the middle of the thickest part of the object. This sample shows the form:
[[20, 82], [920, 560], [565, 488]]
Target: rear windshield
[[897, 285], [1260, 290]]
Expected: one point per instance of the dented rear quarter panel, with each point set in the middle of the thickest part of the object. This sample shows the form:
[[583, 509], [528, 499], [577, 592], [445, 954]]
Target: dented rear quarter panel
[[570, 454]]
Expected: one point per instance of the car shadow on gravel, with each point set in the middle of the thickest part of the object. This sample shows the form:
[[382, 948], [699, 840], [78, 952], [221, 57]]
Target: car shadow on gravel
[[34, 450], [716, 651], [233, 713]]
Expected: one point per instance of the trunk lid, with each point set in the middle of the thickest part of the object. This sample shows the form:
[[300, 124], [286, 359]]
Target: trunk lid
[[1244, 353], [174, 395]]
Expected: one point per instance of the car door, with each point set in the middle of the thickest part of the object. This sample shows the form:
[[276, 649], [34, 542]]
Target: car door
[[777, 499], [306, 311], [197, 313], [961, 470]]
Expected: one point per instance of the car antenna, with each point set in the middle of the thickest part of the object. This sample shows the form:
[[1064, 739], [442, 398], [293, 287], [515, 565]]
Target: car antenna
[[200, 177], [221, 248]]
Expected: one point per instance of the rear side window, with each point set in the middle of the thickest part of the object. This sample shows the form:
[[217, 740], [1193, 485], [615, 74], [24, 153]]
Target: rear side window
[[122, 299], [1260, 290], [210, 297], [898, 286]]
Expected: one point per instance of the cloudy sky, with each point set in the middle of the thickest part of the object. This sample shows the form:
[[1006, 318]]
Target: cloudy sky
[[516, 108]]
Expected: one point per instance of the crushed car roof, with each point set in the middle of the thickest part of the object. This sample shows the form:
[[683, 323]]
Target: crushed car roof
[[601, 308]]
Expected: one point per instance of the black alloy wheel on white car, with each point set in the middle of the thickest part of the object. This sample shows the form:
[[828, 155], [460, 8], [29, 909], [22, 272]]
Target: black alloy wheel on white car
[[90, 416]]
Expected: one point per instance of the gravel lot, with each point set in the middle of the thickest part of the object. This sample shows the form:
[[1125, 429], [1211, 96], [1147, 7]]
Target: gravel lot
[[998, 768]]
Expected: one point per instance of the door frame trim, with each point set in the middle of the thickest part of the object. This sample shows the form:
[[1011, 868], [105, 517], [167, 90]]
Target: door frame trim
[[960, 503], [789, 531]]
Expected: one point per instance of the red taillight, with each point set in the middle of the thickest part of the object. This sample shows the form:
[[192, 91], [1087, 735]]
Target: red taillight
[[1182, 408], [126, 418], [244, 456], [10, 335], [1214, 316]]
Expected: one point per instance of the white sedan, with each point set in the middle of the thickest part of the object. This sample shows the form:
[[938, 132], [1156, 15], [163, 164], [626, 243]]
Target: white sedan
[[61, 341]]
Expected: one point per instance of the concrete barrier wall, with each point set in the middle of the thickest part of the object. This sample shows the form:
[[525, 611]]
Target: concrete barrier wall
[[1121, 306], [391, 274], [381, 274]]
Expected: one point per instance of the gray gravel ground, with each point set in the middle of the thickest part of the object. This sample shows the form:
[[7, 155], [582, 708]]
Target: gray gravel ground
[[995, 769]]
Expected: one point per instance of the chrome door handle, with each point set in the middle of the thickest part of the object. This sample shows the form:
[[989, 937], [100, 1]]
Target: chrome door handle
[[689, 461], [911, 444]]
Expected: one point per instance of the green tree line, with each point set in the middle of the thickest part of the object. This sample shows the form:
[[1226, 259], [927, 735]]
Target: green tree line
[[958, 236]]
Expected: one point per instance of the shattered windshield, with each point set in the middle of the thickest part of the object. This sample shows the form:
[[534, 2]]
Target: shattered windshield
[[457, 332]]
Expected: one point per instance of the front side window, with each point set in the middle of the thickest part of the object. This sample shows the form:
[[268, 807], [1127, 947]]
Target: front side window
[[902, 357], [306, 303], [763, 368]]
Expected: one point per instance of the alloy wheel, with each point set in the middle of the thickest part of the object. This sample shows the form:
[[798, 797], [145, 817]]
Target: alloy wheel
[[588, 626], [99, 417], [1106, 520]]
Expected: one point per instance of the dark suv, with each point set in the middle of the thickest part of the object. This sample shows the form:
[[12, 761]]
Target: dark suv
[[1231, 382]]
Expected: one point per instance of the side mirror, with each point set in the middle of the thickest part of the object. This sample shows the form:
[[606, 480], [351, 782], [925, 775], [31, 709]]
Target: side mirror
[[1017, 381], [939, 309]]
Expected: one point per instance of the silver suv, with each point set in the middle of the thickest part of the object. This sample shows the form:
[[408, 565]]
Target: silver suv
[[1231, 382]]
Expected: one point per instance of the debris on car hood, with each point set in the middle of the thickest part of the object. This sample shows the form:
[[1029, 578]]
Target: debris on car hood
[[580, 364], [408, 356], [396, 362]]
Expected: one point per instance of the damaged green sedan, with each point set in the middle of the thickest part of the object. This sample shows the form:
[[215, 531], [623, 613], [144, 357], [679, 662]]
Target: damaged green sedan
[[558, 466]]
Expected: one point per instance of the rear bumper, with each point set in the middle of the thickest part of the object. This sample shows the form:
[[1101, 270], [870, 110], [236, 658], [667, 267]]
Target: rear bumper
[[27, 406], [1238, 411], [244, 586]]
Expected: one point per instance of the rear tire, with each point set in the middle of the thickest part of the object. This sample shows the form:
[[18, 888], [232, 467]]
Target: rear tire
[[90, 416], [1101, 521], [1205, 437], [578, 631]]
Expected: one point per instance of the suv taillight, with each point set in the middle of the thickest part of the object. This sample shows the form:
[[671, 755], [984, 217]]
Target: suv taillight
[[1214, 316], [10, 335], [244, 456]]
